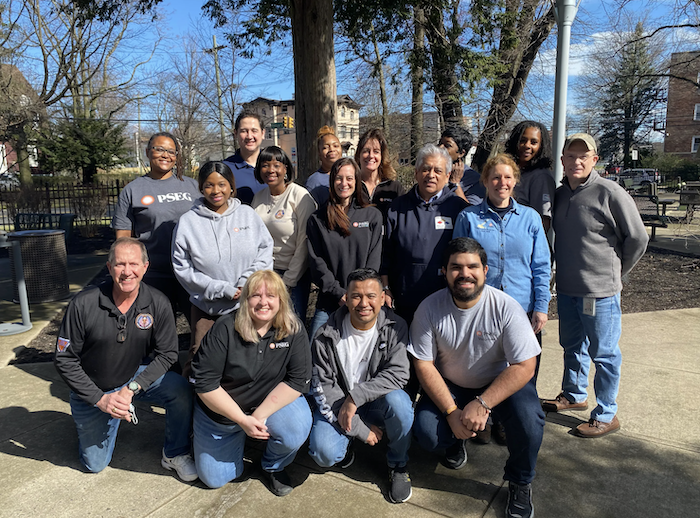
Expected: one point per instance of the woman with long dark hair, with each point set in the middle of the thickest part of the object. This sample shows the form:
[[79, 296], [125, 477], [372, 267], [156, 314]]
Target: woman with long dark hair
[[285, 208], [150, 206], [343, 235], [531, 148], [218, 244]]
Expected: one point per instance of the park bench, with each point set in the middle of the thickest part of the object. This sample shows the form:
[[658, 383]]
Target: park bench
[[648, 207], [39, 221]]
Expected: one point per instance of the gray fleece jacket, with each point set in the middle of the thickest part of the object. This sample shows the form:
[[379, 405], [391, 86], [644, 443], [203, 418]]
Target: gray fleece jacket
[[388, 368], [214, 254], [599, 237]]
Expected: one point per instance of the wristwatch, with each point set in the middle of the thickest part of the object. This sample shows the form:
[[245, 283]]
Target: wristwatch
[[134, 387]]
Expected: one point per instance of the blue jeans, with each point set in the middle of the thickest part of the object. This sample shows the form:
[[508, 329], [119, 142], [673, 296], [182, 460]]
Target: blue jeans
[[521, 415], [320, 318], [300, 296], [218, 448], [328, 444], [584, 337], [97, 431]]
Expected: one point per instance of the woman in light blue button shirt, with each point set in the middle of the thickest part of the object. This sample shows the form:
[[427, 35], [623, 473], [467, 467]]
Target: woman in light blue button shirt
[[514, 240]]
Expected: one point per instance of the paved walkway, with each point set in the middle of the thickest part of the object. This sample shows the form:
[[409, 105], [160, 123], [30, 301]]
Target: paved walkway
[[650, 468]]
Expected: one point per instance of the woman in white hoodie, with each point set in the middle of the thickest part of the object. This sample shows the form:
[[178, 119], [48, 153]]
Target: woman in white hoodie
[[217, 245]]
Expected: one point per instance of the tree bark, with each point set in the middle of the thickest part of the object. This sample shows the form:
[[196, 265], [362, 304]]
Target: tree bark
[[314, 77], [417, 82], [379, 68], [25, 171], [448, 93]]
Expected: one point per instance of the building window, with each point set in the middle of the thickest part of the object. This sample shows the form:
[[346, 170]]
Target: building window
[[352, 115], [696, 115], [343, 132], [352, 133], [264, 111], [284, 107], [696, 144], [342, 112]]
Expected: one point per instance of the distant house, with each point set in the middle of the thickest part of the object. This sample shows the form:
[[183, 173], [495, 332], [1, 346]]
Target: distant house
[[683, 107], [276, 111], [19, 104]]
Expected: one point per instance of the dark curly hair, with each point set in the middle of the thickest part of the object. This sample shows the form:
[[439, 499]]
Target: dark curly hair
[[544, 158]]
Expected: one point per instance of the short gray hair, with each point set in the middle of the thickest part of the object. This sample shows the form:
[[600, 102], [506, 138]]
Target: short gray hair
[[127, 241], [432, 150]]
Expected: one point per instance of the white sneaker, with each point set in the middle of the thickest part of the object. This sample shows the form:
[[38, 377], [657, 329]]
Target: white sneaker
[[183, 466]]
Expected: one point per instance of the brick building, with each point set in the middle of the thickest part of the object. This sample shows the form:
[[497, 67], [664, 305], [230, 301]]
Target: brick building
[[683, 107]]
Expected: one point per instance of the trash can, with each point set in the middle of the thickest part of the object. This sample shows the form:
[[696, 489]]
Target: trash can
[[45, 265]]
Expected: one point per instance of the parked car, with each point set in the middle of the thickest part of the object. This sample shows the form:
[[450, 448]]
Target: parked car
[[640, 176], [9, 179]]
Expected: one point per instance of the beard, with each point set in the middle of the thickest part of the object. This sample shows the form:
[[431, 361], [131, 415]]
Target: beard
[[464, 294]]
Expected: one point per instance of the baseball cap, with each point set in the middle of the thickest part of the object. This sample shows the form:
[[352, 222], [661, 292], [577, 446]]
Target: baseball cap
[[583, 137]]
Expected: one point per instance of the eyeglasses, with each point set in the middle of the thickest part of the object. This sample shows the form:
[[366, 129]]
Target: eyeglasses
[[162, 151], [121, 328]]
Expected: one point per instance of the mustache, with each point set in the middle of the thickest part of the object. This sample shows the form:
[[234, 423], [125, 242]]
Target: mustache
[[467, 279]]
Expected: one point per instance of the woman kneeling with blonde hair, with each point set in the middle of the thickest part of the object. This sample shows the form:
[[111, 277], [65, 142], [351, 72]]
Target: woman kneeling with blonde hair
[[250, 373]]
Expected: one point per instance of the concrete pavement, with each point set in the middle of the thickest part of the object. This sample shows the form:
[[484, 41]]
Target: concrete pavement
[[649, 468]]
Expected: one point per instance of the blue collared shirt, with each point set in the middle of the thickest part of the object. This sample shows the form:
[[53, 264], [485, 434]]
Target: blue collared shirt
[[244, 173], [517, 251]]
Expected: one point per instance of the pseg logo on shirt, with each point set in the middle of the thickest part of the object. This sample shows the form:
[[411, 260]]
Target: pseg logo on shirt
[[279, 345], [361, 224], [167, 198]]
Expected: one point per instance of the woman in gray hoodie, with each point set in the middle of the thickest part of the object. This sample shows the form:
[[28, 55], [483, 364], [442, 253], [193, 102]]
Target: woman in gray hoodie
[[217, 245]]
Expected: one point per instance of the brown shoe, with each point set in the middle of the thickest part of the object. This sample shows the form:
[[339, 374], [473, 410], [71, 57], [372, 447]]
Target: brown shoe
[[595, 428], [560, 403], [484, 436]]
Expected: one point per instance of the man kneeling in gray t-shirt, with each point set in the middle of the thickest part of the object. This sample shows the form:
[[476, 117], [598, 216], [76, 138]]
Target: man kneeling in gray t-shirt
[[475, 353]]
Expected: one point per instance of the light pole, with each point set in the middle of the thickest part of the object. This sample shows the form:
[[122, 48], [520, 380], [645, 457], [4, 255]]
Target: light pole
[[565, 12]]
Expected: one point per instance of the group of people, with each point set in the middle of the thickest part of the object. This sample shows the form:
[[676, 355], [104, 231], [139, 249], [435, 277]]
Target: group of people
[[445, 287]]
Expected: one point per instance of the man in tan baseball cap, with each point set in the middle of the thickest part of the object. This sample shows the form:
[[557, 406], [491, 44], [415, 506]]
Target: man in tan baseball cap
[[599, 238]]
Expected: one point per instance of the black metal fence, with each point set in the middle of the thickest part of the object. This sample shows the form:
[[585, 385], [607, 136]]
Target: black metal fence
[[92, 204]]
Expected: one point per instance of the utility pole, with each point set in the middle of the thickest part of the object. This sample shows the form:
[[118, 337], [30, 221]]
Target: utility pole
[[138, 139], [215, 51]]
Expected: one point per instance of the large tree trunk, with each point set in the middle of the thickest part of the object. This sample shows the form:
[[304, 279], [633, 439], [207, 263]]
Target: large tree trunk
[[314, 77], [25, 171], [509, 86], [379, 69], [448, 93], [417, 82]]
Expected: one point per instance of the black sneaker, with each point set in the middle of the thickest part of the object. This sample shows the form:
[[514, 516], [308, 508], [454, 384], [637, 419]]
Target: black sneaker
[[519, 501], [456, 455], [349, 457], [279, 483], [400, 489]]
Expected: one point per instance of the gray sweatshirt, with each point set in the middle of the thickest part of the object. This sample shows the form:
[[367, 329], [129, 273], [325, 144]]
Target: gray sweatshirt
[[214, 254], [599, 237]]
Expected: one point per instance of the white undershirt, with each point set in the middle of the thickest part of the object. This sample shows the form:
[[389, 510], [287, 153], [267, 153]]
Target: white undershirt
[[355, 350]]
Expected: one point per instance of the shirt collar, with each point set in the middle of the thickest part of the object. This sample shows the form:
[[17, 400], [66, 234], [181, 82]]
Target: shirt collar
[[431, 200]]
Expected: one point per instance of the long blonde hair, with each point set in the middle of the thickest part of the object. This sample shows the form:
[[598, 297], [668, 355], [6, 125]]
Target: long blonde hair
[[285, 321]]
